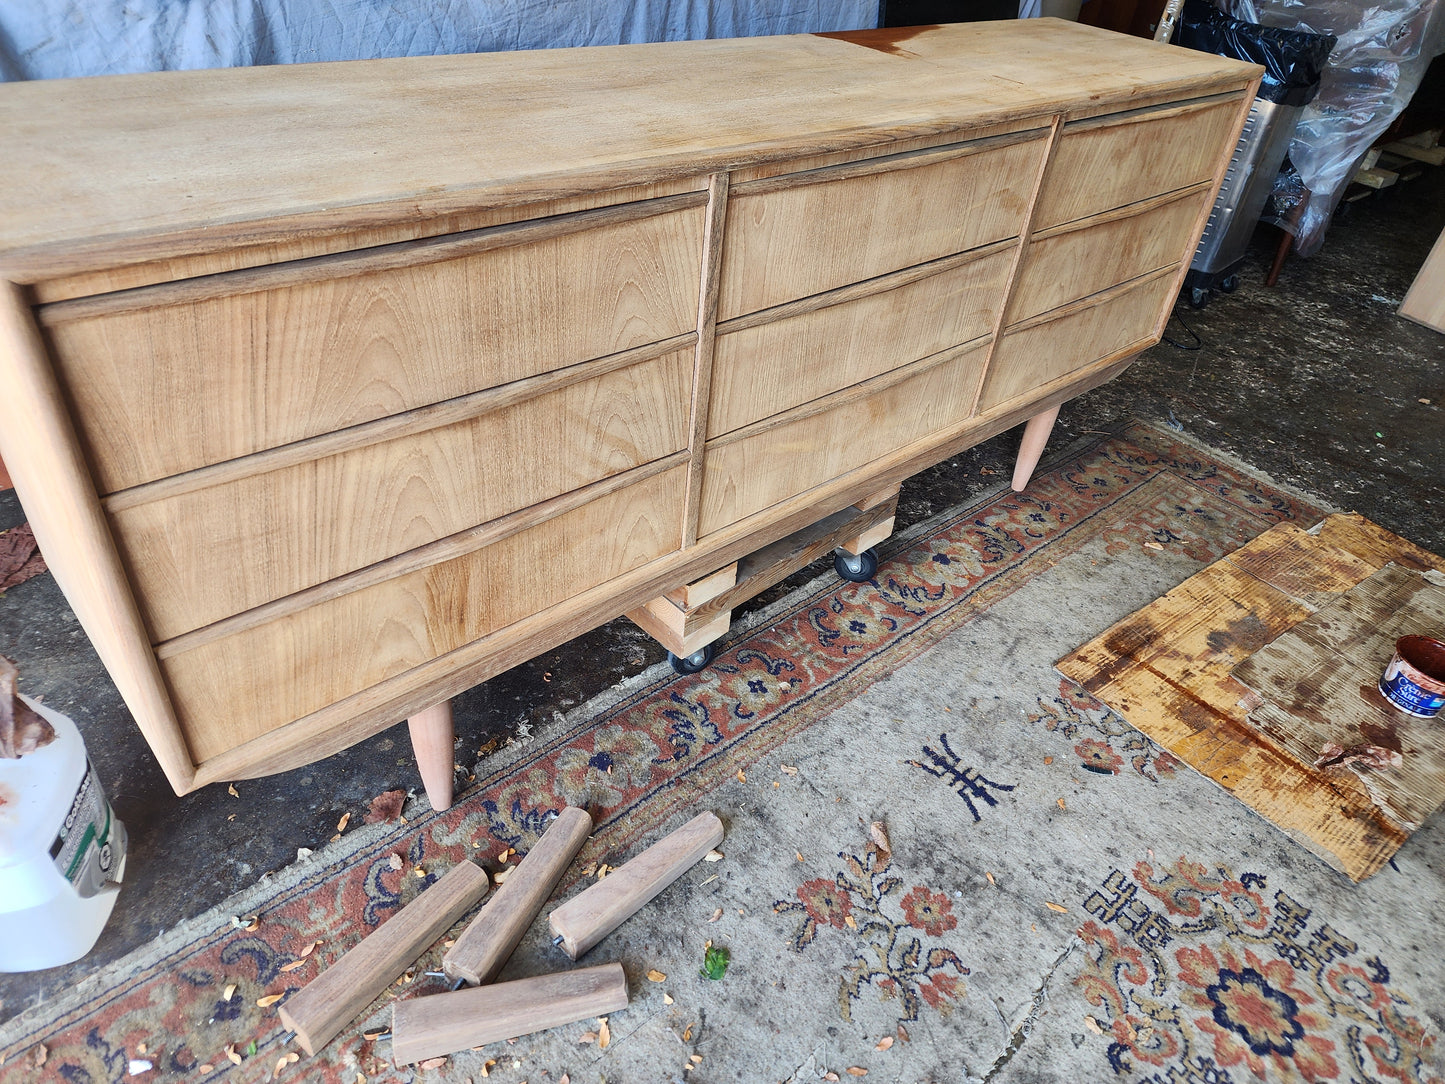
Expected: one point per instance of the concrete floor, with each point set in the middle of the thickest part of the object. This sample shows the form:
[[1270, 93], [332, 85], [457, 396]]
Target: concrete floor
[[1316, 382]]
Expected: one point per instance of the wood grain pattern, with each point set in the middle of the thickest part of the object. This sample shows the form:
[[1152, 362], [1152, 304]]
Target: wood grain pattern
[[338, 995], [363, 714], [306, 246], [428, 1027], [821, 351], [273, 368], [433, 744], [1032, 355], [803, 240], [1134, 155], [204, 555], [328, 651], [717, 208], [425, 133], [591, 915], [1168, 669], [489, 940], [43, 457], [1425, 301], [744, 476], [1319, 684], [1068, 266]]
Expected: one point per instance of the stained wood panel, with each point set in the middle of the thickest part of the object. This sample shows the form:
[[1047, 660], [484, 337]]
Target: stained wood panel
[[1169, 670], [204, 555], [761, 370], [165, 390], [1067, 266], [748, 474], [1034, 355], [1107, 162], [791, 243], [231, 690]]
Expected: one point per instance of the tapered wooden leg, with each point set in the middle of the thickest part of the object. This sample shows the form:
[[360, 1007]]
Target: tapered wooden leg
[[1036, 435], [431, 742]]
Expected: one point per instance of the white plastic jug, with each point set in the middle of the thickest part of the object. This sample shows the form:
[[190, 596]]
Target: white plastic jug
[[62, 852]]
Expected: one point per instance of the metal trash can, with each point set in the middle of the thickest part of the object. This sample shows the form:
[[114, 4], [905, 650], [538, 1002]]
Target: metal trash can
[[1293, 62]]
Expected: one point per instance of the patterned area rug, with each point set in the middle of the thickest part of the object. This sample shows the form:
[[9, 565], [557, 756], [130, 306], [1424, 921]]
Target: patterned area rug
[[1052, 897]]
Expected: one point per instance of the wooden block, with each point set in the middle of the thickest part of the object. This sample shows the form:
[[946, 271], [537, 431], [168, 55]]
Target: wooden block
[[692, 595], [486, 945], [339, 994], [877, 497], [587, 918], [858, 543], [429, 1027], [1376, 177], [680, 632], [1430, 155]]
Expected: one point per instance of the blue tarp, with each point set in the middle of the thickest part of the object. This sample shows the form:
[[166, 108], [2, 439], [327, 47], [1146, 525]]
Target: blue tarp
[[52, 39]]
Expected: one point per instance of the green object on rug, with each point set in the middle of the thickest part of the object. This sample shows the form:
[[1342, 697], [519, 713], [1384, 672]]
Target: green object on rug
[[1051, 899], [714, 962]]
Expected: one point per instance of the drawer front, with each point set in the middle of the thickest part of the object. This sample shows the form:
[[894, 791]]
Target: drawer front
[[790, 243], [1069, 266], [743, 476], [201, 556], [1108, 162], [234, 689], [167, 389], [759, 371], [1027, 359]]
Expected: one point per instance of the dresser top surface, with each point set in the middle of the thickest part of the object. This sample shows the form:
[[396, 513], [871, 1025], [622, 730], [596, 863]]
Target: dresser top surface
[[120, 168]]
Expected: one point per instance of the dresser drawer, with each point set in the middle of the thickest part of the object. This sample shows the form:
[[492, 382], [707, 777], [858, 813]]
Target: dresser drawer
[[744, 474], [761, 370], [232, 688], [800, 234], [206, 554], [164, 379], [1072, 264], [1030, 357], [1110, 161]]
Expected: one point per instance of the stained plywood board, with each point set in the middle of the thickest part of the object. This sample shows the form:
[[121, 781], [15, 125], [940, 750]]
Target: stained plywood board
[[1318, 684], [1170, 670]]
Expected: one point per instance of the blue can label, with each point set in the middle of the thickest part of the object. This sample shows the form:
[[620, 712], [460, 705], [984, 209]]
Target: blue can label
[[1408, 696]]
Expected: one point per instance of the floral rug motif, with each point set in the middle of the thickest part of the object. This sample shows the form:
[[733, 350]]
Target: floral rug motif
[[890, 955], [667, 744], [1200, 976]]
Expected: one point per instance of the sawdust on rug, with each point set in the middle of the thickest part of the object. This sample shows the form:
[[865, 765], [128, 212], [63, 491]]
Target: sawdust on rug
[[1055, 897]]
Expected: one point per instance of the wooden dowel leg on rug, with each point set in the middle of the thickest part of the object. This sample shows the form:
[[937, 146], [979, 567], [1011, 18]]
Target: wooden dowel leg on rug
[[1036, 435], [428, 1027], [432, 737], [335, 997], [587, 918], [486, 945]]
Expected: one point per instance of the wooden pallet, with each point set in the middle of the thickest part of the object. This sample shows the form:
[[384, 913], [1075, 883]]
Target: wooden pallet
[[1168, 669], [688, 618]]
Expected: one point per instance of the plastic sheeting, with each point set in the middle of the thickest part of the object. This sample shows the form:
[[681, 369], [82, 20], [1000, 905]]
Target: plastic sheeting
[[51, 39], [1382, 53]]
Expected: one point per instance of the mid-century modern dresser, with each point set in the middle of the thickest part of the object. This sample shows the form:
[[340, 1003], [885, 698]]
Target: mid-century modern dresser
[[331, 390]]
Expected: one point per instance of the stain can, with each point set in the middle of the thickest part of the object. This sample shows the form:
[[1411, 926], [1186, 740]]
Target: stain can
[[1415, 679]]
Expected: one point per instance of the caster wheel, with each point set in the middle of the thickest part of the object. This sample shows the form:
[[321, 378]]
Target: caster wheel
[[859, 569], [1229, 284], [1198, 297], [691, 664]]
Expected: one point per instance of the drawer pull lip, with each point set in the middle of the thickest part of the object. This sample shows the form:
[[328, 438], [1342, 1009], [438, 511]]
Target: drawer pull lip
[[364, 261], [1094, 299], [1128, 210], [433, 416], [924, 156], [879, 284], [443, 549]]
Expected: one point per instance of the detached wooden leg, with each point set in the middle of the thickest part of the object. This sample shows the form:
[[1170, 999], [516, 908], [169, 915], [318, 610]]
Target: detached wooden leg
[[431, 742], [1036, 435]]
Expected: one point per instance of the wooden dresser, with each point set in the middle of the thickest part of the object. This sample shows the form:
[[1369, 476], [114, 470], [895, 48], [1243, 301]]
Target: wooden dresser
[[331, 390]]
